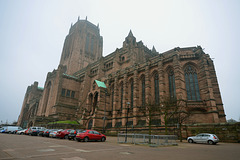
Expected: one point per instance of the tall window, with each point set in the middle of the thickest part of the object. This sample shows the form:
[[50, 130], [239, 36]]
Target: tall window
[[72, 94], [63, 92], [92, 43], [87, 44], [121, 96], [171, 79], [68, 93], [132, 94], [143, 91], [191, 83], [156, 88], [112, 97]]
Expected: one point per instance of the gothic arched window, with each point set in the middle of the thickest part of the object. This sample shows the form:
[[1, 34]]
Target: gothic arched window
[[132, 94], [191, 83], [121, 96], [92, 45], [112, 97], [156, 88], [171, 79], [143, 91], [87, 43]]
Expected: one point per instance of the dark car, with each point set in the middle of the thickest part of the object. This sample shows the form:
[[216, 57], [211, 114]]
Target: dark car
[[73, 133], [41, 132], [46, 132], [34, 131], [89, 135], [63, 133]]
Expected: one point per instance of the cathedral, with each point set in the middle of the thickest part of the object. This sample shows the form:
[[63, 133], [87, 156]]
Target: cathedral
[[98, 91]]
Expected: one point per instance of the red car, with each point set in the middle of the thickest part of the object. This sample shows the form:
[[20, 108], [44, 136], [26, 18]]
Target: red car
[[88, 135], [26, 132], [63, 133]]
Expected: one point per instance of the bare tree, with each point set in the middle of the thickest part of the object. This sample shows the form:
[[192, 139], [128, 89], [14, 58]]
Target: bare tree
[[172, 111], [150, 111], [182, 114]]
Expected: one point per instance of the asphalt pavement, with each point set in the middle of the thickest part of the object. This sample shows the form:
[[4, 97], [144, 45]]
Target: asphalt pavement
[[25, 147]]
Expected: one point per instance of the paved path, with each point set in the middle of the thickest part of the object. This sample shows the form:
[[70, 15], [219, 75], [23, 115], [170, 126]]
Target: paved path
[[40, 148]]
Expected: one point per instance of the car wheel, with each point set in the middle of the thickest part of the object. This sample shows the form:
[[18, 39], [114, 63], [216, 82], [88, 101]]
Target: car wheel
[[190, 141], [210, 142], [66, 137], [79, 140], [86, 139], [103, 139]]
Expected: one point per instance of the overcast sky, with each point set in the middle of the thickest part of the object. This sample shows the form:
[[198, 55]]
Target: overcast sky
[[32, 34]]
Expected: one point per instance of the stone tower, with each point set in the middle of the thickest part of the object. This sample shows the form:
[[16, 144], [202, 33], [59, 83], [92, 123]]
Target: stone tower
[[83, 45]]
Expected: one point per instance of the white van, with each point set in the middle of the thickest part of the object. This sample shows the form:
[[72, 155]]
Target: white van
[[12, 129]]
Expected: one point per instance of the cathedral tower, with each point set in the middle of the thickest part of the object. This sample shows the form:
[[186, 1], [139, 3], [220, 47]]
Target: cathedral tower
[[83, 45]]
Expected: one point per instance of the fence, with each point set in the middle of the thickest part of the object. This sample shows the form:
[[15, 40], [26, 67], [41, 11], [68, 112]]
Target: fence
[[151, 140]]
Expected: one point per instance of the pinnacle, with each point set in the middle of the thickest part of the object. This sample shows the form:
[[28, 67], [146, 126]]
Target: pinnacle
[[153, 49], [130, 34]]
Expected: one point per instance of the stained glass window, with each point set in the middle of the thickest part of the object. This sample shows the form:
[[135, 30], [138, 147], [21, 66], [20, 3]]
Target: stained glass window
[[92, 43], [156, 88], [172, 89], [132, 94], [191, 83], [143, 91], [112, 97], [121, 96], [87, 43]]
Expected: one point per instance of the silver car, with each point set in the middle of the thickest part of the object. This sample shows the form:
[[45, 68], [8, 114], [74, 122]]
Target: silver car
[[53, 133], [204, 138]]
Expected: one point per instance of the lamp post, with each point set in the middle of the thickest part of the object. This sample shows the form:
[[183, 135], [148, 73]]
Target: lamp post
[[128, 103]]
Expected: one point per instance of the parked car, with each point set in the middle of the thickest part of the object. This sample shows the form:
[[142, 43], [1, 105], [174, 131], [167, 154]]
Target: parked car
[[73, 133], [21, 131], [26, 132], [53, 133], [203, 138], [46, 132], [34, 131], [89, 135], [12, 129], [63, 133], [41, 132], [2, 130]]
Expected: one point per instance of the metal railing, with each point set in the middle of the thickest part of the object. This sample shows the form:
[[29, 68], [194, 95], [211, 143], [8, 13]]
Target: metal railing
[[151, 140]]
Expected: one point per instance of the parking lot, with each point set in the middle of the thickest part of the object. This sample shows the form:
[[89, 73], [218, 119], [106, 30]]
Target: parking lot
[[14, 146]]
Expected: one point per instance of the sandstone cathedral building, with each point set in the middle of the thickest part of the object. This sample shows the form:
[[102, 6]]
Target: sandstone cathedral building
[[99, 91]]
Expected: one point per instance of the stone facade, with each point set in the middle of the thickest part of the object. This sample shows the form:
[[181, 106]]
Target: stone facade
[[134, 75]]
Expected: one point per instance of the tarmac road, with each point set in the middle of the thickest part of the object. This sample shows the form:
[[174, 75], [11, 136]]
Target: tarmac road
[[40, 148]]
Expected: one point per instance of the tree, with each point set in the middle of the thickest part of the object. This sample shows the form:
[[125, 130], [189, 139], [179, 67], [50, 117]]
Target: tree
[[149, 111], [182, 114], [172, 111], [168, 109]]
